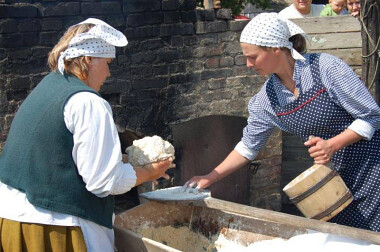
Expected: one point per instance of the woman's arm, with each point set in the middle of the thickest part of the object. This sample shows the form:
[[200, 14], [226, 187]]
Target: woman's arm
[[153, 171], [322, 150], [233, 162], [255, 135], [347, 90], [97, 151]]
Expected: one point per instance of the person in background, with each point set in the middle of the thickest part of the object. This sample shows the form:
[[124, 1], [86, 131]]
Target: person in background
[[334, 8], [62, 162], [353, 7], [301, 9], [309, 95]]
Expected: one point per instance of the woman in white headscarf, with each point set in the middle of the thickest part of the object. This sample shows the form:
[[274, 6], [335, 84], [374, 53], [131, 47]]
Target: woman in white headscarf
[[62, 161], [310, 94]]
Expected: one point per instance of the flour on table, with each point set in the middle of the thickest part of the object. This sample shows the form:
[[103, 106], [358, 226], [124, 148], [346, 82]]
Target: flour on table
[[187, 240], [149, 150], [181, 238]]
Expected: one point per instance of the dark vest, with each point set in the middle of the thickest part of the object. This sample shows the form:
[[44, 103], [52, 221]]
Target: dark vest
[[37, 156]]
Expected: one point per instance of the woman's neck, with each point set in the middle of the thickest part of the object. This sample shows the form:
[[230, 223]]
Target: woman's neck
[[285, 73]]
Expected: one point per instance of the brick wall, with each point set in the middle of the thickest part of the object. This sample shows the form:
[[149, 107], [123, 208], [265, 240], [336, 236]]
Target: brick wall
[[181, 63]]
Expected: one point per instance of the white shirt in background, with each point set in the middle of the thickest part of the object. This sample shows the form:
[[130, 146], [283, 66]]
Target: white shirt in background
[[291, 12]]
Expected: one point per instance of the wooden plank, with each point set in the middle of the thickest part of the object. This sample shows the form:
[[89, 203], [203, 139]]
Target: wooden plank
[[128, 241], [296, 221], [328, 24], [352, 56], [335, 40]]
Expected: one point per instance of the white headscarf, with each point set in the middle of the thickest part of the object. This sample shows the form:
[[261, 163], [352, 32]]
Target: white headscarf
[[99, 41], [270, 30]]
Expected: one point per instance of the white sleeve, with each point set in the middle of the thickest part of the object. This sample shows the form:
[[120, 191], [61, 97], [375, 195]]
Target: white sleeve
[[97, 151], [362, 128], [246, 152]]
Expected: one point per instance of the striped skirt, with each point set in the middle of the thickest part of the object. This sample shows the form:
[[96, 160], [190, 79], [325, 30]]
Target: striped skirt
[[19, 237]]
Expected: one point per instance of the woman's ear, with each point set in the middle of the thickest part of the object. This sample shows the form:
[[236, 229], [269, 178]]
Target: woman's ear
[[87, 59], [276, 51]]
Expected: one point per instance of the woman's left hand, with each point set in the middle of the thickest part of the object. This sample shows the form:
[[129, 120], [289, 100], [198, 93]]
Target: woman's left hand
[[321, 150]]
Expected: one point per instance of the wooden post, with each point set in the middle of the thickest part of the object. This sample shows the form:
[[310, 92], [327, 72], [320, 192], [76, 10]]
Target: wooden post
[[370, 21]]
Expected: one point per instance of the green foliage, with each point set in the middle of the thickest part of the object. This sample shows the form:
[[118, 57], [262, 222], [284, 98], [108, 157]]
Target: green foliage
[[238, 5]]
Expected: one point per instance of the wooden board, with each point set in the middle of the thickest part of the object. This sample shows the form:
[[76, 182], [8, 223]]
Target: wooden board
[[337, 24], [215, 214], [335, 41], [352, 56]]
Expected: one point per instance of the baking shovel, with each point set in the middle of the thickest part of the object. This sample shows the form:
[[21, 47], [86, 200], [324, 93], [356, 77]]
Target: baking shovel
[[177, 193]]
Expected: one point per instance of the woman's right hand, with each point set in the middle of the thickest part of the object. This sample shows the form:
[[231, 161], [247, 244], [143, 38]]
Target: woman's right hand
[[199, 182], [153, 171]]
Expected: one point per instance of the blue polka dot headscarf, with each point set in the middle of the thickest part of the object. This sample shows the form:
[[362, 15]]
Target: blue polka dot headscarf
[[99, 41], [269, 30]]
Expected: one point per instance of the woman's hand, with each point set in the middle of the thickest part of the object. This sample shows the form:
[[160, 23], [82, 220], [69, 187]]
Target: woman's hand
[[158, 169], [198, 182], [321, 150], [153, 171]]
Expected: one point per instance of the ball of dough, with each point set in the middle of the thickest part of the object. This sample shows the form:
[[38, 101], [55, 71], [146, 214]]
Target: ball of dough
[[149, 150]]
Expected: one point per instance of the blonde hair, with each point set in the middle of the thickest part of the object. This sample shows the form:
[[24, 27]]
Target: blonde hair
[[76, 66]]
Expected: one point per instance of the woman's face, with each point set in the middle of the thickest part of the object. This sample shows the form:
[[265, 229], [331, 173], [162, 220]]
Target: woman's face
[[353, 7], [98, 72], [263, 60]]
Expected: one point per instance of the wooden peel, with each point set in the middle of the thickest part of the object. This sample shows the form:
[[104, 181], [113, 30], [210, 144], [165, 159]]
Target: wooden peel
[[177, 193]]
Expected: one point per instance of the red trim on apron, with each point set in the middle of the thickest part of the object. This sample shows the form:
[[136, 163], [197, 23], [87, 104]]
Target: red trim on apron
[[303, 104]]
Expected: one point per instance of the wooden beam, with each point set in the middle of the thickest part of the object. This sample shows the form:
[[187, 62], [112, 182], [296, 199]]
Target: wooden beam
[[336, 24], [296, 221]]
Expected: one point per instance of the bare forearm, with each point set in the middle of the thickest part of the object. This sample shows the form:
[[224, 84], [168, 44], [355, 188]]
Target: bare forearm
[[344, 139], [232, 163], [322, 150], [142, 175], [152, 171]]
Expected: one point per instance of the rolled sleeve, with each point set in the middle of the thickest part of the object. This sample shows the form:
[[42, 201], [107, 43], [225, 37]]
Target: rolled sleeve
[[245, 151], [362, 128]]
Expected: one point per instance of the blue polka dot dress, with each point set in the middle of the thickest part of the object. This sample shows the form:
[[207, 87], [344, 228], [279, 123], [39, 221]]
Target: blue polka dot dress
[[322, 110]]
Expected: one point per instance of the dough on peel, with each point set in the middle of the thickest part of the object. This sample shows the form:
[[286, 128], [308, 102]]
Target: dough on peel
[[149, 150]]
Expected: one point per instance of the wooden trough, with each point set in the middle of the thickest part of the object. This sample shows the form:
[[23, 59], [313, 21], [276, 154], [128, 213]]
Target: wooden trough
[[239, 223]]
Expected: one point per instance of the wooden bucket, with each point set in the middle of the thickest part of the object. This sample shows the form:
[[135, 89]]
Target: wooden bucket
[[319, 192]]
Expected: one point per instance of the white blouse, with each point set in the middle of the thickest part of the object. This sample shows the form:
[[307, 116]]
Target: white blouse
[[97, 154]]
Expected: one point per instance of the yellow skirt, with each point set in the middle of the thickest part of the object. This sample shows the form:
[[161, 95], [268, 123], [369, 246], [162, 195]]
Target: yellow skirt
[[19, 237]]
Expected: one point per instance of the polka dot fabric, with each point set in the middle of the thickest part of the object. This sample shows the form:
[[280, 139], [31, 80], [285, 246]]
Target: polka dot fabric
[[99, 41], [328, 103], [269, 30]]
